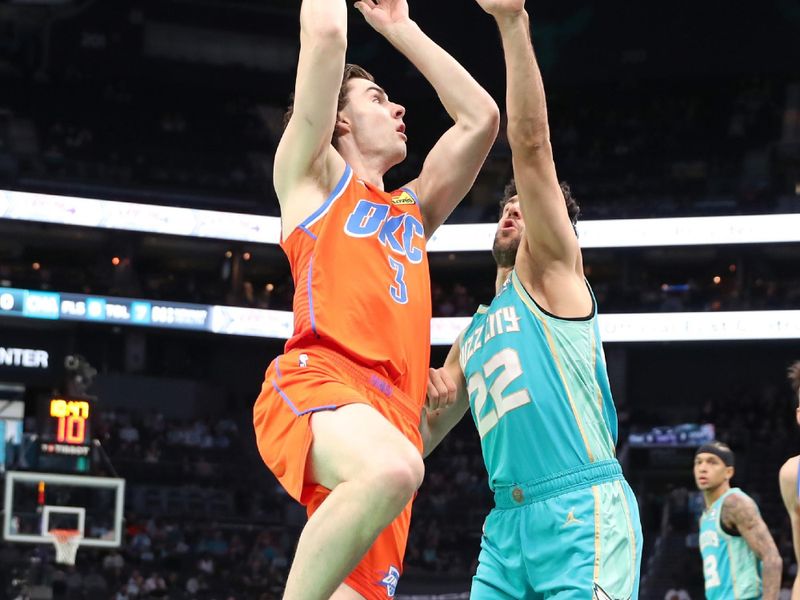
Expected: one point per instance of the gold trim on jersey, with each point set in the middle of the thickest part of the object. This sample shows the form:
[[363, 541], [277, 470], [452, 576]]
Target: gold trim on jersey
[[597, 533], [631, 535], [523, 295], [611, 447]]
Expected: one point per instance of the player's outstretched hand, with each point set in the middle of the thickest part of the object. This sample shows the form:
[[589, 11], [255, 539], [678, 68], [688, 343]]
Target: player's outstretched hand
[[501, 8], [441, 389], [382, 15]]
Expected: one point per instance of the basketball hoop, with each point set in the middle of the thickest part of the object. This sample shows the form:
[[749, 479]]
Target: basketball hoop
[[66, 542]]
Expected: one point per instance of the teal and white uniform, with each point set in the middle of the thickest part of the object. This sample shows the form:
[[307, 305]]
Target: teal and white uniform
[[731, 570], [565, 522]]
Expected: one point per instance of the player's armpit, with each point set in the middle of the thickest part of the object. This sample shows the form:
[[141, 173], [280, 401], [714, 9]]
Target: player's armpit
[[788, 483], [742, 513], [787, 477]]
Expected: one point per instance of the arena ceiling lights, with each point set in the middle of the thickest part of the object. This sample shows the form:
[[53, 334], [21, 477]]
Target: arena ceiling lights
[[170, 220]]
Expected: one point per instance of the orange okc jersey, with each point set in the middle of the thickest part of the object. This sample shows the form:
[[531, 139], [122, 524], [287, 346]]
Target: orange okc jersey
[[362, 286]]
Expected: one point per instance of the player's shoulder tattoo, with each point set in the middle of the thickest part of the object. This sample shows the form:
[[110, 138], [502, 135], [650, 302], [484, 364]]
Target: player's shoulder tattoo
[[739, 511]]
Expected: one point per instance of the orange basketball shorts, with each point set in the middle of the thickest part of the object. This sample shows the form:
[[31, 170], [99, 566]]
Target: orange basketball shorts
[[302, 382]]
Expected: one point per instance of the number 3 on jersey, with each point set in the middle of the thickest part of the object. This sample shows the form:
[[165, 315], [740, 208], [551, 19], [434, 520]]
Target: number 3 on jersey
[[710, 572], [507, 363], [398, 290]]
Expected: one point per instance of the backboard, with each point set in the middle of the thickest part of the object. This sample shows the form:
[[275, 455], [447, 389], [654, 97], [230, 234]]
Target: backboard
[[36, 503]]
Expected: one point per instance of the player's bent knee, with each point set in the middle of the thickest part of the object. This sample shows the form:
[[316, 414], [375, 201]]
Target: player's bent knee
[[356, 443], [398, 478]]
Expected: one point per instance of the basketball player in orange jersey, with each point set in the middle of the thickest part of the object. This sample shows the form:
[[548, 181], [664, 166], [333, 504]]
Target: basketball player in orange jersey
[[790, 483], [337, 420]]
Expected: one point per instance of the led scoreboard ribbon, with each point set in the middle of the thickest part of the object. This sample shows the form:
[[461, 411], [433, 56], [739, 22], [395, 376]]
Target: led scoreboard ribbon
[[235, 320]]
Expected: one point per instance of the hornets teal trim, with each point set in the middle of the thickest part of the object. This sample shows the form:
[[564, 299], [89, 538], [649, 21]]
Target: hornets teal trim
[[565, 521], [532, 376], [731, 570]]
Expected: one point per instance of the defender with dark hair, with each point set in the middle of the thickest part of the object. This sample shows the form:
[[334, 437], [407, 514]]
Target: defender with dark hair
[[337, 420], [740, 559], [573, 209], [531, 369], [789, 478]]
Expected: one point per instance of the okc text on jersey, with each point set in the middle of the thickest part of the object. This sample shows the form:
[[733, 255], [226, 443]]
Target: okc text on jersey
[[398, 232]]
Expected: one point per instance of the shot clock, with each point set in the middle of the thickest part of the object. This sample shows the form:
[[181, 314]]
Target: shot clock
[[71, 420], [65, 429]]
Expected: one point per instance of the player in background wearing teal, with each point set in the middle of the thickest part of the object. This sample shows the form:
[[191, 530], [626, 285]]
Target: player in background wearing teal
[[740, 559], [790, 481], [531, 368]]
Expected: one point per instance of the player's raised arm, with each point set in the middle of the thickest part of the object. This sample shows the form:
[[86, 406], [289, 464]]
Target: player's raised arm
[[304, 153], [549, 231], [788, 482], [452, 165], [741, 512], [447, 400]]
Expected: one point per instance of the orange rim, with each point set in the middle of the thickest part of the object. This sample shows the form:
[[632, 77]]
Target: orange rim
[[64, 535]]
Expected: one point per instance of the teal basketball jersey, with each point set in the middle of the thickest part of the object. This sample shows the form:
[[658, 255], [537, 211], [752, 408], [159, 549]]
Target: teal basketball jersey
[[538, 389], [731, 569]]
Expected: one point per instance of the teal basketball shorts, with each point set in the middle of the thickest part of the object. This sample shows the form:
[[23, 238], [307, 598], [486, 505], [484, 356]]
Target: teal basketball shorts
[[576, 535]]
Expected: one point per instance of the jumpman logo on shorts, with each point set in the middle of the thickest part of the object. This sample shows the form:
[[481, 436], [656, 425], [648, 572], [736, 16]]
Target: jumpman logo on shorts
[[571, 520]]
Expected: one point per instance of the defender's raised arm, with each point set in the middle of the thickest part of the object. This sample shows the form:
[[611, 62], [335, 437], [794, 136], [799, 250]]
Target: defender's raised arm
[[549, 231]]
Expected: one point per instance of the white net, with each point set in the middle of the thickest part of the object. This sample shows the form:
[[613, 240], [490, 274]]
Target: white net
[[66, 542]]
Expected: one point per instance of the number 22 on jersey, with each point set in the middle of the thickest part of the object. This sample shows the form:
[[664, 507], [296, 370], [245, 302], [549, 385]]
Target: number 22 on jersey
[[507, 365]]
